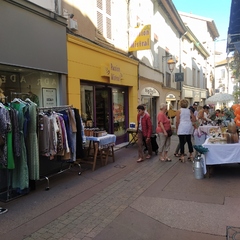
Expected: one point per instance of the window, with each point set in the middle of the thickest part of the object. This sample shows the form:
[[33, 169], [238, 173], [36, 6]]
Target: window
[[198, 78], [194, 77], [104, 18], [168, 80], [41, 87]]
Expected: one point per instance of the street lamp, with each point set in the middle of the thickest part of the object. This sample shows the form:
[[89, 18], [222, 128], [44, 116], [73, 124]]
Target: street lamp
[[171, 63]]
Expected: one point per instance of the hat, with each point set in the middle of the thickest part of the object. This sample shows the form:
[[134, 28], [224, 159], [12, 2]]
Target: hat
[[206, 107], [195, 104], [192, 109]]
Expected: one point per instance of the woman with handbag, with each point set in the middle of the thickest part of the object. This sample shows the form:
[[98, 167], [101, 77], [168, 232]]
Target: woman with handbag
[[184, 127], [164, 133]]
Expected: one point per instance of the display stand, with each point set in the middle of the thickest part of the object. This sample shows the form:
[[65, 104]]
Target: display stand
[[133, 134], [102, 147], [62, 162]]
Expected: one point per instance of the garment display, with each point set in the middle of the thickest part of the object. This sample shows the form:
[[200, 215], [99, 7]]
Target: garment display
[[20, 179], [29, 134]]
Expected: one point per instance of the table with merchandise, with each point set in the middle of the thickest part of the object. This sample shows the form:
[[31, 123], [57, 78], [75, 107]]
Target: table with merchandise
[[220, 152], [102, 147]]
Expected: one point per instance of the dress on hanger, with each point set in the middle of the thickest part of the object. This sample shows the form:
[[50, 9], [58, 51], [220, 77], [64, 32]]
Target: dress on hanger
[[20, 173]]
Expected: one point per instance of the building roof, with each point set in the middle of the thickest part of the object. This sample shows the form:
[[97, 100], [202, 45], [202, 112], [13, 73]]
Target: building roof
[[173, 15], [210, 23]]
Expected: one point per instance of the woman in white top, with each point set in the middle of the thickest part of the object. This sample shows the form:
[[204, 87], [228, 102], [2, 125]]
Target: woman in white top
[[184, 127]]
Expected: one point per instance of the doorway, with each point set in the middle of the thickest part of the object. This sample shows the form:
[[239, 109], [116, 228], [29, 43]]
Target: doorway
[[150, 104]]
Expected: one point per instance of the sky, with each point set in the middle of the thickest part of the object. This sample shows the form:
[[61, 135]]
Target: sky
[[218, 10]]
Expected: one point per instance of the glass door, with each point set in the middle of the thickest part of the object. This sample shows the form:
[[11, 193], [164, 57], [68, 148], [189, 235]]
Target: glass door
[[118, 103], [103, 111]]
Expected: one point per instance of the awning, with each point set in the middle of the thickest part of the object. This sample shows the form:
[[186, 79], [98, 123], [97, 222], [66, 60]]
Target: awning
[[237, 46], [234, 26]]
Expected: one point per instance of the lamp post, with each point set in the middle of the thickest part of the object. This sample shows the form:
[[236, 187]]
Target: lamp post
[[171, 64]]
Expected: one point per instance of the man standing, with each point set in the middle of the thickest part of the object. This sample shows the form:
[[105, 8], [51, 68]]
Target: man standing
[[144, 131], [195, 106]]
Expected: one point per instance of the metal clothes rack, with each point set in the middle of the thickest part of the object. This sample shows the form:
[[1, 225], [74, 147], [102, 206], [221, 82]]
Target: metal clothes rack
[[18, 94], [71, 164]]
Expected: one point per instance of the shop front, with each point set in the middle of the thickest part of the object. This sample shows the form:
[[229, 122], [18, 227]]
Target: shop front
[[104, 85], [34, 63], [33, 70], [149, 97]]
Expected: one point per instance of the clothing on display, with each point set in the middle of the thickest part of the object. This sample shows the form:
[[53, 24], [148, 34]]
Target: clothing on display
[[29, 132]]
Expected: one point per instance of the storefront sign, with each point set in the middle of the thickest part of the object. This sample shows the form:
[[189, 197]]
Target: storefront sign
[[149, 91], [196, 97], [112, 71], [49, 97], [140, 38]]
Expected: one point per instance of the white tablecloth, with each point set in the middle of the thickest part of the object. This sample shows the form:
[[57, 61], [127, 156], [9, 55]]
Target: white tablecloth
[[202, 133], [221, 153], [105, 141], [205, 129]]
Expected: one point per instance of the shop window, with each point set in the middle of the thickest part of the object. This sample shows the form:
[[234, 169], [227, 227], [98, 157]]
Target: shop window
[[87, 105], [104, 107], [41, 87], [118, 96]]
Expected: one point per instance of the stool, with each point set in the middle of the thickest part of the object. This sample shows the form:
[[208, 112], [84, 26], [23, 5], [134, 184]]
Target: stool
[[133, 133]]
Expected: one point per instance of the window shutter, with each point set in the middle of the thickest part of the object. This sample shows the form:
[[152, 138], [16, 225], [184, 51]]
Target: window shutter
[[104, 21], [100, 22], [108, 19]]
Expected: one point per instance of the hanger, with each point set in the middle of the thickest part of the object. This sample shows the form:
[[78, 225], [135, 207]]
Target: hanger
[[16, 100], [27, 100]]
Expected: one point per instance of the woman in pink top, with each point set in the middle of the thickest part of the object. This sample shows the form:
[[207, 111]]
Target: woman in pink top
[[163, 140]]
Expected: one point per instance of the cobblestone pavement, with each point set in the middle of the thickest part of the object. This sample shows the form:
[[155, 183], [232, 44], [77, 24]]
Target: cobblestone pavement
[[89, 218]]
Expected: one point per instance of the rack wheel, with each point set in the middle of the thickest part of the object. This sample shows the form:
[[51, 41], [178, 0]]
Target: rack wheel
[[47, 188], [79, 173]]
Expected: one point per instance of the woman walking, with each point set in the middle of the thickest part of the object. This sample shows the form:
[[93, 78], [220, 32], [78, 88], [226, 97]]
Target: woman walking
[[184, 127], [163, 138]]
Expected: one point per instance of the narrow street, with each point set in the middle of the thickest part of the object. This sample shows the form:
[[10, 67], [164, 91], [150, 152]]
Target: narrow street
[[128, 200]]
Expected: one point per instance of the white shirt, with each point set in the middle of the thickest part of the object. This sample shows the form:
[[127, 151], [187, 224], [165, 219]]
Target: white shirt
[[185, 124]]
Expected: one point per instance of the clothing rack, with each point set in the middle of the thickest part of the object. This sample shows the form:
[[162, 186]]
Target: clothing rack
[[71, 164], [58, 108], [18, 93]]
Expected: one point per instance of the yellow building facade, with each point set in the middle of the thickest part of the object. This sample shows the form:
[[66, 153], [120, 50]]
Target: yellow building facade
[[103, 84]]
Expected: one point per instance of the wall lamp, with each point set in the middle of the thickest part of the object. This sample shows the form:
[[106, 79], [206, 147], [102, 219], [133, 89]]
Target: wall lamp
[[171, 63], [71, 15]]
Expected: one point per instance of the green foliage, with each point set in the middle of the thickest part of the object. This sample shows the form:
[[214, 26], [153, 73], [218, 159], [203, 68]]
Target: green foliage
[[235, 67]]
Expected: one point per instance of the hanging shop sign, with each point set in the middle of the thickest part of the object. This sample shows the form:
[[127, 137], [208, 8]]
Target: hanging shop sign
[[196, 97], [179, 77], [149, 91], [171, 97], [140, 38]]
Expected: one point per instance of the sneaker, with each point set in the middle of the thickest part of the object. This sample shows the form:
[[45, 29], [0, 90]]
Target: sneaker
[[3, 210]]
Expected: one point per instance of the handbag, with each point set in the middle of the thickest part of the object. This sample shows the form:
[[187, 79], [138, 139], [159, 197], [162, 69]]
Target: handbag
[[169, 132]]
